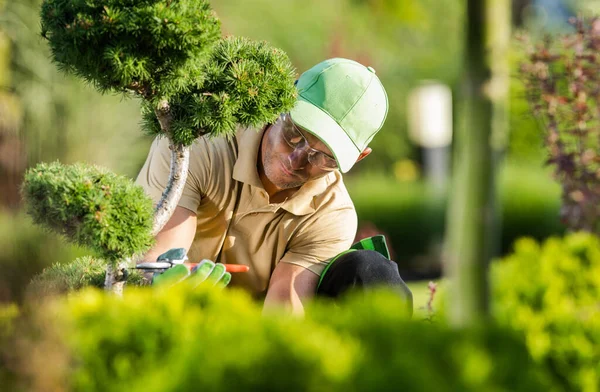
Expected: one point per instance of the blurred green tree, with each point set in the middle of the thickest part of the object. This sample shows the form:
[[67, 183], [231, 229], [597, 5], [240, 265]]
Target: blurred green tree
[[12, 163]]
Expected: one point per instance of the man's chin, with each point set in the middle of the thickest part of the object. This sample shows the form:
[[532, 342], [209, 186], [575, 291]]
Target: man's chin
[[288, 185], [283, 180]]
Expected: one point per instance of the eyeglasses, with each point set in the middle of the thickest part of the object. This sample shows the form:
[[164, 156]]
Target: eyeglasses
[[296, 139]]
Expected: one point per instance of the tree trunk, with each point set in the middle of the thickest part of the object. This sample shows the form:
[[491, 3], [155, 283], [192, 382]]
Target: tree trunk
[[116, 277], [13, 160], [480, 133], [180, 160]]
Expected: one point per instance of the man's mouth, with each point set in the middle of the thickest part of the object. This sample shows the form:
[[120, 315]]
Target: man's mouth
[[291, 173], [287, 171]]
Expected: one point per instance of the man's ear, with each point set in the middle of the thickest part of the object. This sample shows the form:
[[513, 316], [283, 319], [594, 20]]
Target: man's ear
[[364, 154]]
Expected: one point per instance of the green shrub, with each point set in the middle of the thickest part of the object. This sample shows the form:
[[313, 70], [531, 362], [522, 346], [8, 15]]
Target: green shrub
[[242, 82], [116, 44], [550, 292], [63, 278], [91, 207], [82, 272], [167, 340]]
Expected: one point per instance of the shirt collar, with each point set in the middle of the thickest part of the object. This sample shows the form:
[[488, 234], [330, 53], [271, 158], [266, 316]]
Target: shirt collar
[[248, 142], [244, 170]]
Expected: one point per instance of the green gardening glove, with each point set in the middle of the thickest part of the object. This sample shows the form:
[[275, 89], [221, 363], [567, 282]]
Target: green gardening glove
[[172, 276], [206, 272], [213, 274]]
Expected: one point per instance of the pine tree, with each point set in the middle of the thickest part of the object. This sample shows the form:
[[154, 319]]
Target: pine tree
[[191, 83]]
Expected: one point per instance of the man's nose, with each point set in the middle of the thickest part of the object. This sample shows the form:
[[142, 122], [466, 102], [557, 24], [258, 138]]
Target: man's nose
[[298, 159]]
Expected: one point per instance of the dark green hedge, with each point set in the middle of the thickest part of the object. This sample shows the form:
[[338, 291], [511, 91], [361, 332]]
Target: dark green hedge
[[414, 219]]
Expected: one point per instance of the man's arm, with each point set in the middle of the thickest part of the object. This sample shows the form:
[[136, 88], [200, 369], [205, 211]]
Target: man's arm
[[296, 277], [179, 232], [290, 285]]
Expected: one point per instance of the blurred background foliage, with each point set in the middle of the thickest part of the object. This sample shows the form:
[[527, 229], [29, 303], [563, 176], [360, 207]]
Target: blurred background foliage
[[47, 116]]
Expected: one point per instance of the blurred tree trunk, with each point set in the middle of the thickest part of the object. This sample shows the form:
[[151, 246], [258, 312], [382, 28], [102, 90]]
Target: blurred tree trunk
[[12, 152], [480, 137]]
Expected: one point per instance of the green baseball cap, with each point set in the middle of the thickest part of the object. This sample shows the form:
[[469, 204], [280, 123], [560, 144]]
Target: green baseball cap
[[342, 103]]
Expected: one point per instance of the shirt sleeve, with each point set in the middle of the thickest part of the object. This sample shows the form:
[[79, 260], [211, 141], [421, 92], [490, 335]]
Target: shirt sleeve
[[154, 175], [322, 238]]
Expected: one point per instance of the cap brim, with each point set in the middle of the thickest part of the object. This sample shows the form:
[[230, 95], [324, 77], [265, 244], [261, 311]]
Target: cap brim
[[320, 124]]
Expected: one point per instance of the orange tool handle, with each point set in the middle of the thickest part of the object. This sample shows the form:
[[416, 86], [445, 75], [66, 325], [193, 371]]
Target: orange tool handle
[[232, 268]]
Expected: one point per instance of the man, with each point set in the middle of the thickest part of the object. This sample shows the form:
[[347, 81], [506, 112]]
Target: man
[[273, 198]]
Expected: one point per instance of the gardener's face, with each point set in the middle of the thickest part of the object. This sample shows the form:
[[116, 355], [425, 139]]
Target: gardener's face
[[286, 166]]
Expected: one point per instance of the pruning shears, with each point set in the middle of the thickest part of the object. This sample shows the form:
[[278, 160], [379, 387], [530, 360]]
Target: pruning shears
[[165, 261], [177, 256]]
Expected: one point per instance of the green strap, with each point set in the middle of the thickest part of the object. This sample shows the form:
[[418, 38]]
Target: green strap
[[376, 243]]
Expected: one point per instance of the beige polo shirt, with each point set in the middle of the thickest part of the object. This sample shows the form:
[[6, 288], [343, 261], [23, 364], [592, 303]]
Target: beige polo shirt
[[236, 222]]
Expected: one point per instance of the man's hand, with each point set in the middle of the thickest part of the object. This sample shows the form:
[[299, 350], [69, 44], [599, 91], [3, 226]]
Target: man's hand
[[174, 270], [206, 272]]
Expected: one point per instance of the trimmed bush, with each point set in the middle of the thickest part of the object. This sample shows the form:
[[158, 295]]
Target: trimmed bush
[[91, 207], [176, 340], [145, 45], [551, 292], [242, 82]]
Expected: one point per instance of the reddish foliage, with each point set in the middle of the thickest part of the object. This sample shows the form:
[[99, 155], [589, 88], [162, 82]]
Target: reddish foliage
[[562, 78]]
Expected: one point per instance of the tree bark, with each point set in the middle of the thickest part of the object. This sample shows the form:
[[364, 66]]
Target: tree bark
[[115, 278], [180, 160], [481, 131]]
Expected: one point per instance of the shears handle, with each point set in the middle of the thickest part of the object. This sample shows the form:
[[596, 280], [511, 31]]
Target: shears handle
[[232, 268]]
